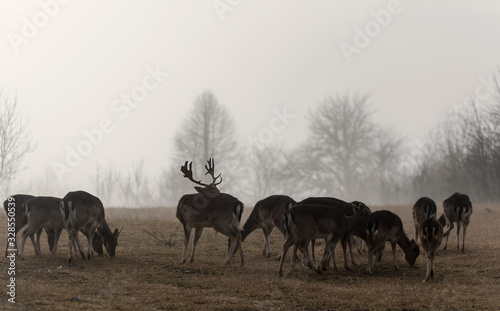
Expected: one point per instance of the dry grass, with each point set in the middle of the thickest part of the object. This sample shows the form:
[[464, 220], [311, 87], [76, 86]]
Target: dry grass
[[146, 273]]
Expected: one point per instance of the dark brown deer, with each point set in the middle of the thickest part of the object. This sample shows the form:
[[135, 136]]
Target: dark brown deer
[[15, 212], [85, 212], [305, 222], [431, 233], [382, 226], [346, 209], [423, 209], [267, 214], [44, 212], [209, 208], [457, 208]]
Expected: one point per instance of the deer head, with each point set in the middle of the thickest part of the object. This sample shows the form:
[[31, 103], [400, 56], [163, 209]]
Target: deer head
[[207, 189]]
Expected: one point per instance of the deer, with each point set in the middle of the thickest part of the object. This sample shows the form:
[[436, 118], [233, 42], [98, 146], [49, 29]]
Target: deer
[[431, 233], [457, 208], [347, 209], [266, 215], [305, 222], [382, 226], [209, 208], [44, 212], [15, 212], [84, 212], [423, 209]]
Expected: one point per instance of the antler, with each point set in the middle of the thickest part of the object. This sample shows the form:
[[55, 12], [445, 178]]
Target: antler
[[188, 173], [210, 170]]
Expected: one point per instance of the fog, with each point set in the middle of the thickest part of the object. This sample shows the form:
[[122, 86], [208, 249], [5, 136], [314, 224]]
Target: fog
[[110, 83]]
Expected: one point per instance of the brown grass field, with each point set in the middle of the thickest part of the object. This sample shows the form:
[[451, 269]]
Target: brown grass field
[[146, 274]]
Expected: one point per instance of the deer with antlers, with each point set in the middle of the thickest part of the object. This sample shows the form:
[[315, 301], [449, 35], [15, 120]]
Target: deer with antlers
[[209, 208]]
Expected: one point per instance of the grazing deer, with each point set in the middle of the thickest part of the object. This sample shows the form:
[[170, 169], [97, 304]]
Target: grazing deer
[[44, 212], [457, 208], [305, 222], [346, 209], [84, 212], [41, 212], [267, 214], [423, 209], [15, 212], [431, 233], [209, 208], [382, 226]]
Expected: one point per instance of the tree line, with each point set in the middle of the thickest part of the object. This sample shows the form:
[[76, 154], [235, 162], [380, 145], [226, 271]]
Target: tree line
[[346, 154]]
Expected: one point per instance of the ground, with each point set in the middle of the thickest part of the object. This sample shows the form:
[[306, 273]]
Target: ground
[[146, 274]]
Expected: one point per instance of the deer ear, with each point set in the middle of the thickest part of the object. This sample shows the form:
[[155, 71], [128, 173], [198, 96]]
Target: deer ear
[[116, 233], [199, 189]]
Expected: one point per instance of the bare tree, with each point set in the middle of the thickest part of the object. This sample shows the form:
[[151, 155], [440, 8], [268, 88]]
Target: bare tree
[[15, 140], [265, 173], [135, 188], [104, 182], [345, 151], [208, 132]]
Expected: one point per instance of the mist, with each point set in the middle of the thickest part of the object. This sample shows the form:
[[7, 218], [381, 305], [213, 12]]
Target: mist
[[110, 93]]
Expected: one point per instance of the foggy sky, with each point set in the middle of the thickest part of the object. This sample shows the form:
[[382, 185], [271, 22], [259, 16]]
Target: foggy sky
[[70, 75]]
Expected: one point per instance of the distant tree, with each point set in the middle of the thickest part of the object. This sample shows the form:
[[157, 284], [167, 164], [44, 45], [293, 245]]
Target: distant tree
[[346, 153], [463, 152], [104, 181], [135, 188], [15, 140], [266, 171], [207, 132]]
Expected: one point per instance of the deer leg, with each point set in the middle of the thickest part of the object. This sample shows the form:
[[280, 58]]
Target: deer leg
[[187, 235], [393, 246], [459, 224], [446, 233], [283, 231], [343, 242], [463, 241], [38, 249], [289, 241], [294, 256], [234, 243], [241, 250], [266, 251], [57, 235], [349, 244], [50, 238], [328, 249], [90, 239], [416, 233], [371, 262], [313, 243], [197, 235], [36, 245], [23, 240], [305, 253], [80, 248]]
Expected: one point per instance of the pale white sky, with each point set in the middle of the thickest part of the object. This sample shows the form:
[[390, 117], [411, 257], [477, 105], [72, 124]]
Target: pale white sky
[[260, 56]]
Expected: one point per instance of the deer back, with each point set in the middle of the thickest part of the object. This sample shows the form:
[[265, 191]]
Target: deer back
[[43, 212], [431, 232], [457, 207], [199, 210], [269, 210], [81, 208], [424, 208], [18, 202]]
